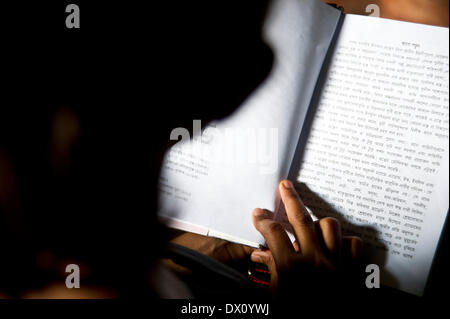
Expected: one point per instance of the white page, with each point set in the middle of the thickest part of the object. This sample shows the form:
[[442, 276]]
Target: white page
[[216, 194], [377, 156]]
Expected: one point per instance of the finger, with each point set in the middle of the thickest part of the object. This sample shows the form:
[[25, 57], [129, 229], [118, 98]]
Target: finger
[[330, 231], [237, 251], [299, 218], [266, 258], [296, 246], [276, 238], [247, 249], [352, 247]]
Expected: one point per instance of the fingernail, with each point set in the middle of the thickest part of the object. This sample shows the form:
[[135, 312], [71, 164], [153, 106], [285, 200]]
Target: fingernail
[[288, 184], [258, 212]]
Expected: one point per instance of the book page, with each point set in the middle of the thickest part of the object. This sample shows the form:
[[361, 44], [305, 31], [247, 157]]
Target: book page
[[212, 185], [377, 155]]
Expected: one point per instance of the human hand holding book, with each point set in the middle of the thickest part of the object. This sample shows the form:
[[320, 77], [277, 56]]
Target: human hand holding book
[[319, 246]]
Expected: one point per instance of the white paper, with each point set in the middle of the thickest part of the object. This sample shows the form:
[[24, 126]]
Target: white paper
[[377, 156]]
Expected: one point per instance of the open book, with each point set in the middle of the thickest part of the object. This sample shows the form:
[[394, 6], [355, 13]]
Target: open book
[[356, 111]]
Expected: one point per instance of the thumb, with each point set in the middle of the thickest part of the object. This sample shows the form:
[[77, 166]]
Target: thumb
[[266, 258]]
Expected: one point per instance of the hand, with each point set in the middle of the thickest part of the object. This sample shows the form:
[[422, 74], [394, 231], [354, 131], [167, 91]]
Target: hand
[[314, 260], [218, 249]]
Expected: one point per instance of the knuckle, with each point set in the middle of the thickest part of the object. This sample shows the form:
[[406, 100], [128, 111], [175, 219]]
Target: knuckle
[[274, 228], [268, 260], [302, 218]]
